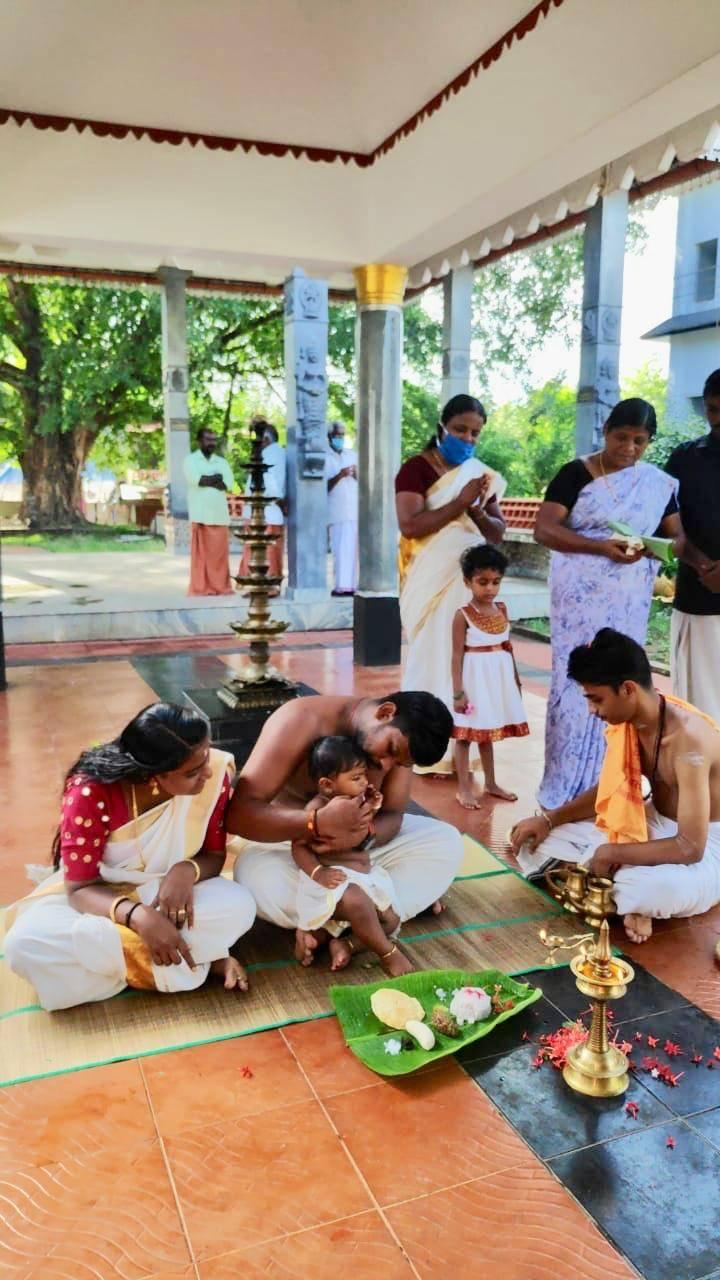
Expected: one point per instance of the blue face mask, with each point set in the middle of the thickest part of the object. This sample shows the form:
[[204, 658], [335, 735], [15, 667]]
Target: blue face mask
[[454, 450], [337, 443]]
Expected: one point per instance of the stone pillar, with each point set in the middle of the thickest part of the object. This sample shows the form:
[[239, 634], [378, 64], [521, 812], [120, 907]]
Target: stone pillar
[[306, 324], [457, 331], [175, 398], [604, 259], [378, 347]]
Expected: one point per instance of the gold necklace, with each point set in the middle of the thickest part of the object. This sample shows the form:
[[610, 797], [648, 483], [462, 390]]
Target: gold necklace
[[606, 478], [136, 833]]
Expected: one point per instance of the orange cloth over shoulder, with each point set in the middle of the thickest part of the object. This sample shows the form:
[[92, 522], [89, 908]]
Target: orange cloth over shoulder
[[619, 806]]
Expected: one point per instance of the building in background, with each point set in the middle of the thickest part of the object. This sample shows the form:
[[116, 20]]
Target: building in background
[[694, 327]]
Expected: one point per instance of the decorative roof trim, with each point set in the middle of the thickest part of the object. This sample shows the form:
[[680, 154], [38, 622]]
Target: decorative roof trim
[[318, 155], [149, 280]]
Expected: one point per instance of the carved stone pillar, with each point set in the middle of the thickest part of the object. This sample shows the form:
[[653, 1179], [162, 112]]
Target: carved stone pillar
[[306, 322], [604, 261], [457, 331], [175, 405], [378, 346]]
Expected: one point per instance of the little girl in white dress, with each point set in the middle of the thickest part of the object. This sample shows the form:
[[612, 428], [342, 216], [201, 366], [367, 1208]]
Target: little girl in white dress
[[487, 704]]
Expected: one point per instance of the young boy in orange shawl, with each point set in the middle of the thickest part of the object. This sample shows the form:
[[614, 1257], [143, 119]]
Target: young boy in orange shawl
[[653, 821]]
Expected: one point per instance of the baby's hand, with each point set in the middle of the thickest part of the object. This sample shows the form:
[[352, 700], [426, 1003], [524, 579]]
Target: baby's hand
[[330, 877], [374, 798]]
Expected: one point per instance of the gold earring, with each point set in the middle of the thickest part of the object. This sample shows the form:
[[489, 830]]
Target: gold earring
[[154, 788]]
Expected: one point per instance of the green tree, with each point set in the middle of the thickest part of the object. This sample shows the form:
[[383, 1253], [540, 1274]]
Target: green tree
[[650, 383], [79, 361], [529, 441]]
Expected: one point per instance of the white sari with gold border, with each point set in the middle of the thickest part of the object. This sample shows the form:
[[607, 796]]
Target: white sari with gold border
[[71, 957], [432, 589]]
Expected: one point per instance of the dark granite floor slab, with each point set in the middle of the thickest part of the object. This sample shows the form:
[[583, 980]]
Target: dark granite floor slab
[[708, 1124], [547, 1114], [696, 1033], [645, 995], [658, 1205], [168, 674]]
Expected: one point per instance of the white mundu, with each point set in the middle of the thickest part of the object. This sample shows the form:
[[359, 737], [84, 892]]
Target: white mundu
[[421, 861], [669, 889], [343, 518]]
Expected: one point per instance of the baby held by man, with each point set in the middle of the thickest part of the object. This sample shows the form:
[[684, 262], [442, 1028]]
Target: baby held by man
[[348, 897]]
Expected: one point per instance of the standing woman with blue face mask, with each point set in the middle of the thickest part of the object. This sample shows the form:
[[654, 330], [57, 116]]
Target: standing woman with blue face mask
[[447, 500]]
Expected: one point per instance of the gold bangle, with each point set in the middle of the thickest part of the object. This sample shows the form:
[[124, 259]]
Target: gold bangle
[[116, 903], [196, 866], [389, 953]]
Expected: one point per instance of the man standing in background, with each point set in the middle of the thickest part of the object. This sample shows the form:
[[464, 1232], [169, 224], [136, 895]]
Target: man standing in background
[[342, 485], [208, 478], [695, 630], [273, 455]]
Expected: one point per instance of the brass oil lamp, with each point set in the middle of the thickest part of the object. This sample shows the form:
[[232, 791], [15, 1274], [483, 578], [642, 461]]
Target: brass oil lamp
[[596, 1067]]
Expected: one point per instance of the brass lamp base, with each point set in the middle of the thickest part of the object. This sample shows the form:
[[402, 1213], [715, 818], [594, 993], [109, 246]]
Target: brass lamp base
[[596, 1074]]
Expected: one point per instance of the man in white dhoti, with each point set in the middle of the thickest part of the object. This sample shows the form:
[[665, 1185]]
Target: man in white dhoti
[[342, 486], [662, 852], [695, 630], [420, 854], [137, 898]]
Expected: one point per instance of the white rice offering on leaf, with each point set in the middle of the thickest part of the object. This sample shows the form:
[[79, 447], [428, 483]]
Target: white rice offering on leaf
[[470, 1005], [393, 1047]]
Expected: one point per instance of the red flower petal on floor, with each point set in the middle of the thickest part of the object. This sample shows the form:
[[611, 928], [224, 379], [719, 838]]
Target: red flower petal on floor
[[638, 1035], [670, 1141], [246, 1073], [632, 1109], [525, 1036], [648, 1064], [716, 1051], [696, 1060], [672, 1050], [652, 1041], [537, 1061]]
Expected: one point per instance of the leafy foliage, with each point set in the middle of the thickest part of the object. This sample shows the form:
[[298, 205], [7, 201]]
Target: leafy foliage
[[529, 441]]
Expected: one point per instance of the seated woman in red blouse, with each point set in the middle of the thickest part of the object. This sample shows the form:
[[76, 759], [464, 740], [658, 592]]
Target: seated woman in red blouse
[[137, 898]]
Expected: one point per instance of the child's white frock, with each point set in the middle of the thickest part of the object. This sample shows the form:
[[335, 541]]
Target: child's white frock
[[489, 682]]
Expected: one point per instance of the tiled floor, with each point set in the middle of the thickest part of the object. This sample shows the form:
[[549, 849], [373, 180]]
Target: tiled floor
[[183, 1165]]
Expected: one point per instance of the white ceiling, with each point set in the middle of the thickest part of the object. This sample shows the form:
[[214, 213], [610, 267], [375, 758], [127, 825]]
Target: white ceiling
[[597, 80], [331, 73]]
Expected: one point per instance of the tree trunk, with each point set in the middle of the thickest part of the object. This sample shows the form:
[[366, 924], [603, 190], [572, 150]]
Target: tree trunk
[[51, 466]]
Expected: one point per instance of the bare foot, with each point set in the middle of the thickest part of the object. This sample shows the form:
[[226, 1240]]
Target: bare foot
[[638, 928], [341, 954], [231, 971], [396, 964], [438, 907], [389, 920], [468, 799], [493, 789], [306, 944]]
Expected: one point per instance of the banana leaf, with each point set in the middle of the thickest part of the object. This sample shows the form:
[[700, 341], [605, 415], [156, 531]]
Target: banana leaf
[[366, 1036], [661, 548]]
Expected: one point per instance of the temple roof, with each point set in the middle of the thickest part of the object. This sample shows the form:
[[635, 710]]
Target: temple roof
[[237, 139]]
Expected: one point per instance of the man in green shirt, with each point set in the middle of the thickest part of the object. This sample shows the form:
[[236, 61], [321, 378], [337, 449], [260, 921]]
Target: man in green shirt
[[208, 477]]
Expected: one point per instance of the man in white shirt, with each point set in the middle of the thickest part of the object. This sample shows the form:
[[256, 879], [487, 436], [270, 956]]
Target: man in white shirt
[[342, 486], [208, 478], [275, 490]]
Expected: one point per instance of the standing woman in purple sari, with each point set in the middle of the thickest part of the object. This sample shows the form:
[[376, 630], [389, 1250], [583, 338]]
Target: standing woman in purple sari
[[594, 583]]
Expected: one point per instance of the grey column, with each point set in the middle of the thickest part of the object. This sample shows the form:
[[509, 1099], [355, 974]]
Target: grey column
[[379, 345], [306, 324], [604, 261], [175, 403], [457, 331]]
